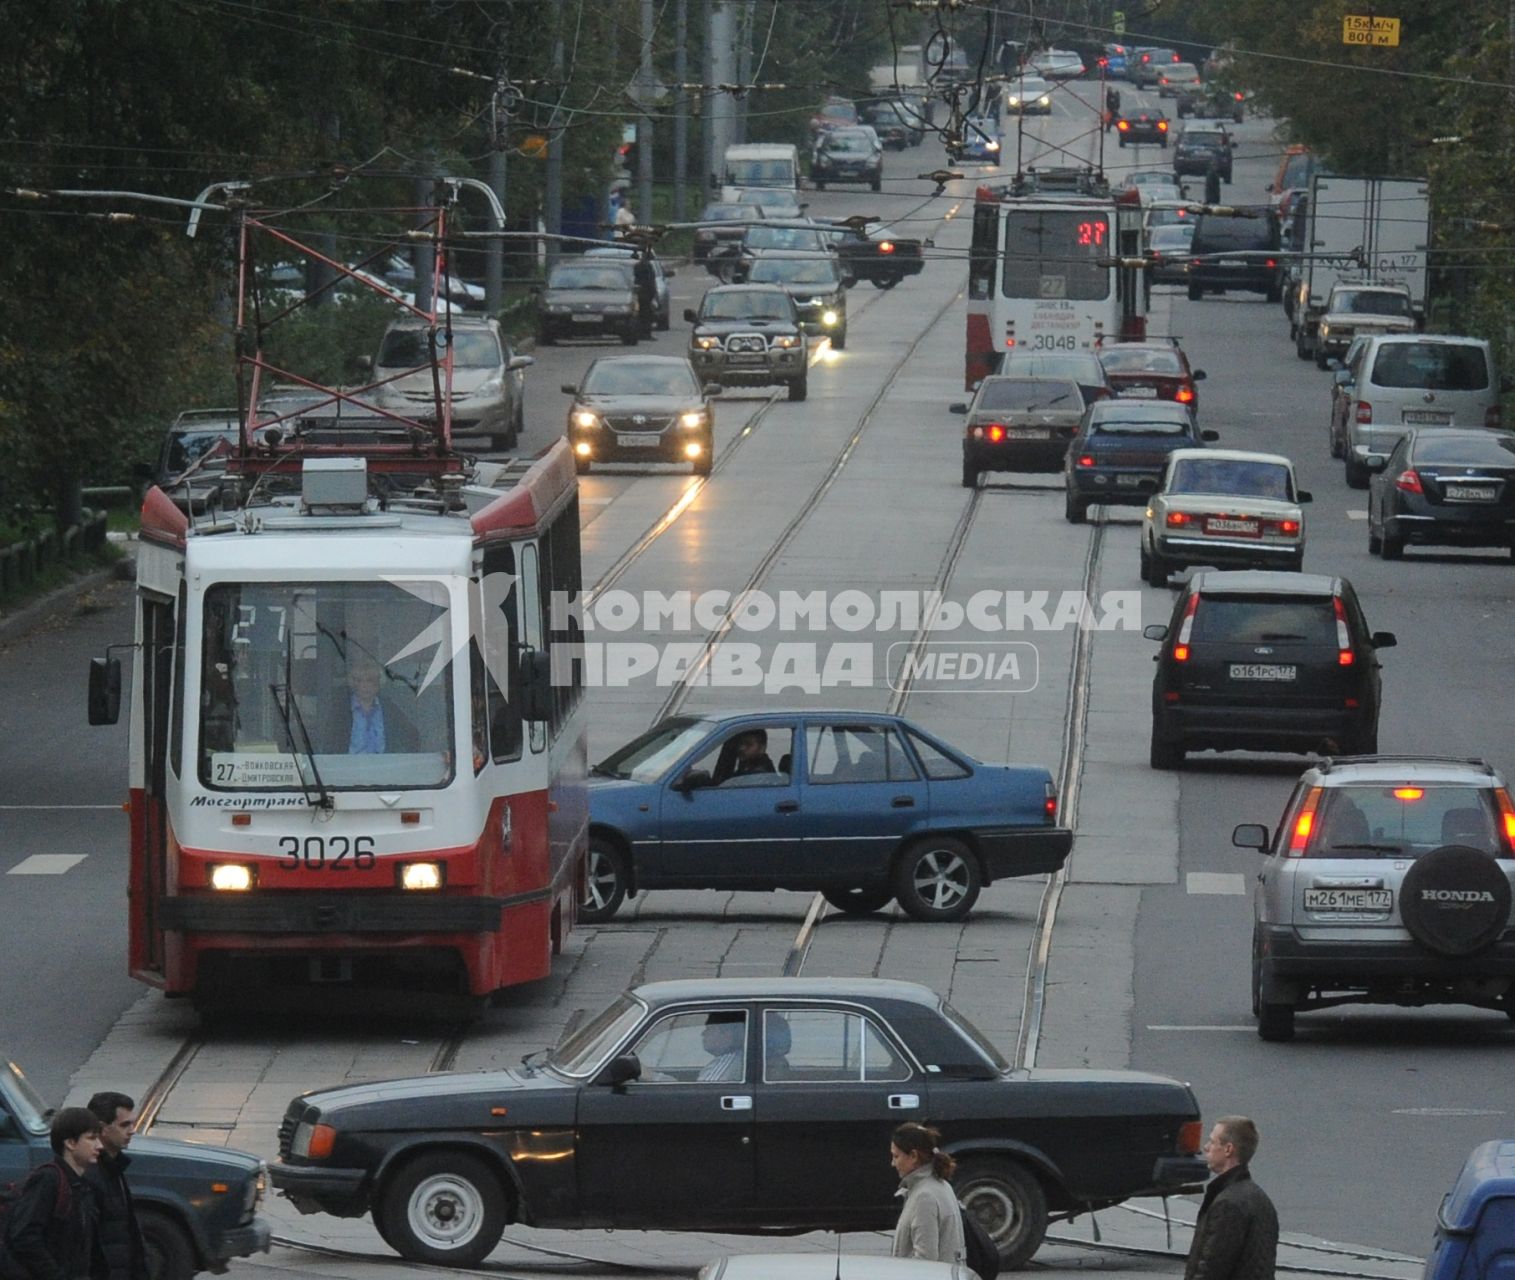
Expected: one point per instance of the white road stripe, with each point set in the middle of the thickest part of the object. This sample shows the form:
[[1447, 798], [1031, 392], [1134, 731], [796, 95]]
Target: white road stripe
[[46, 864], [46, 808], [1215, 882], [1357, 515], [1171, 1027]]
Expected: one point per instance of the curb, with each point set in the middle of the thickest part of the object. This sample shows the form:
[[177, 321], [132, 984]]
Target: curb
[[15, 625]]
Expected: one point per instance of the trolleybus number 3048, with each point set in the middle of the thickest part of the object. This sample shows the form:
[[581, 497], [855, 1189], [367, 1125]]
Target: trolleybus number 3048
[[327, 853]]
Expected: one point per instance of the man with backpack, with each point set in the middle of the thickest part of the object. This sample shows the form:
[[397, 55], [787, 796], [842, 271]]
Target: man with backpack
[[50, 1227], [120, 1235]]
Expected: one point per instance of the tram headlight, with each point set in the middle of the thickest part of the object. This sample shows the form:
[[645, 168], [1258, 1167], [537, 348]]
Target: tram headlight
[[231, 877], [421, 876]]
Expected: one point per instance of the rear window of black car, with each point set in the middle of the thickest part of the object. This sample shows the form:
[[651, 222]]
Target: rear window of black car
[[1265, 620], [1431, 366], [1192, 139], [1139, 427], [1234, 233], [1029, 393], [1492, 451]]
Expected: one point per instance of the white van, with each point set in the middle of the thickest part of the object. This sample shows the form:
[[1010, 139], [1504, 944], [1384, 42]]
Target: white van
[[1396, 382], [762, 164]]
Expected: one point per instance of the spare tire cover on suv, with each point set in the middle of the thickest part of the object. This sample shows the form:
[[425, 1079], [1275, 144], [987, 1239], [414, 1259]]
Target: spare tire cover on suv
[[1455, 900]]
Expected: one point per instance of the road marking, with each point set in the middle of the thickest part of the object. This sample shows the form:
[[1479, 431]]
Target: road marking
[[594, 502], [1443, 1111], [1215, 882], [1357, 515], [46, 864], [1218, 1027], [46, 808]]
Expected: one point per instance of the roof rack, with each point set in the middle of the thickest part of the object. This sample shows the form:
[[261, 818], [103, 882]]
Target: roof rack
[[1477, 762]]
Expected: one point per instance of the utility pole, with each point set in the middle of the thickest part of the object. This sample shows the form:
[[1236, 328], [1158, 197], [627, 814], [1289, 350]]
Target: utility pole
[[425, 251], [721, 69], [552, 196], [644, 121], [681, 109], [744, 66], [494, 261]]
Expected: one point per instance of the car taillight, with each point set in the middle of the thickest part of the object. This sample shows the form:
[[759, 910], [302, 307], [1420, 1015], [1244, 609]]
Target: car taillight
[[1289, 527], [1493, 417], [1184, 395], [1086, 460], [1506, 821], [1299, 837], [1409, 482], [1190, 1136], [886, 246], [1177, 519], [1271, 263], [1162, 79], [1122, 125], [1049, 803], [994, 432], [1364, 412], [1237, 96], [1344, 655], [1162, 126], [1186, 629], [1194, 262]]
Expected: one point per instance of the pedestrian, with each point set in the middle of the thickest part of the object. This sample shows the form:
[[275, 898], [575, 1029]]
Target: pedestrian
[[1236, 1234], [647, 291], [931, 1220], [120, 1233], [51, 1230], [1112, 107]]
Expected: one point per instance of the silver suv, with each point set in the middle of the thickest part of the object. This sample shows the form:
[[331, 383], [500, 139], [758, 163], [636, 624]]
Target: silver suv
[[1389, 881]]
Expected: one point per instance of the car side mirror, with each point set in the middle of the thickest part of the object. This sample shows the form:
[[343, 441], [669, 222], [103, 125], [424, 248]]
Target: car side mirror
[[1251, 835], [713, 388], [104, 690], [521, 362], [1198, 375], [1303, 496], [569, 389], [957, 408], [1209, 437], [1384, 640], [1376, 462], [693, 780], [365, 363], [621, 1070], [536, 686], [1155, 631], [1342, 377], [691, 315]]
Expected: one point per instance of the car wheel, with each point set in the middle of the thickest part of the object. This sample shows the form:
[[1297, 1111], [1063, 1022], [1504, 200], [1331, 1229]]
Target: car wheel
[[1321, 359], [800, 387], [445, 1208], [1008, 1201], [1123, 142], [1195, 293], [604, 882], [970, 475], [937, 878], [819, 185], [1276, 291], [858, 902], [1375, 543], [545, 338], [1256, 974], [1275, 1022], [1301, 346], [629, 336], [839, 340], [1075, 509], [1334, 442], [1164, 753], [665, 321], [1357, 474], [877, 184], [170, 1253], [581, 466], [517, 423], [886, 280], [1391, 548], [1158, 569], [701, 465]]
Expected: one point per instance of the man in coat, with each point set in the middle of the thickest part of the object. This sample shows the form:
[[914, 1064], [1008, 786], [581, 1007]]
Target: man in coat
[[368, 722], [1236, 1236], [120, 1233]]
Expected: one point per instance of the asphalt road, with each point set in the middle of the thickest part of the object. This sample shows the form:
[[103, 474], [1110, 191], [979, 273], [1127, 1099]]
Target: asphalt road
[[1358, 1140]]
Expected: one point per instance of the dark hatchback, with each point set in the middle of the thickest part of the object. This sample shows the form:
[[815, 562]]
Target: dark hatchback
[[1019, 424], [863, 807], [641, 409], [1443, 487], [1238, 251], [1200, 150], [197, 1205], [1151, 371], [1143, 126], [1265, 661], [881, 259], [1121, 451], [586, 297], [749, 1106]]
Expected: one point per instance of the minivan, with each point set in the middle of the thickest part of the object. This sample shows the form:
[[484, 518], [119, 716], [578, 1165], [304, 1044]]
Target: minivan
[[1398, 381], [1250, 234]]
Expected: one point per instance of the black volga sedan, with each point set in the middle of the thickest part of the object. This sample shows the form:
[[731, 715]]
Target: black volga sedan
[[1443, 487], [641, 409], [737, 1105], [1121, 450]]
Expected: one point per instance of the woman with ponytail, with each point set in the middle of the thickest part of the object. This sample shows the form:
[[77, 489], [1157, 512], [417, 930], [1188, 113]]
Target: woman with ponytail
[[931, 1224]]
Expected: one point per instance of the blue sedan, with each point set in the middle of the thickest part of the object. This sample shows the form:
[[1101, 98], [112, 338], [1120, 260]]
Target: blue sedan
[[863, 807]]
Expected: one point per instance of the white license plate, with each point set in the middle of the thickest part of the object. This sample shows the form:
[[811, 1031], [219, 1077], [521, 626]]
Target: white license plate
[[586, 319], [1233, 528], [1349, 899], [1132, 481], [1140, 393], [1028, 433], [1233, 262], [745, 357], [640, 439], [1427, 419], [1471, 493], [1262, 671]]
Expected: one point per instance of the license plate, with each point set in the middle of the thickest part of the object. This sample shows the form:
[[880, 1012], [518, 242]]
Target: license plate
[[586, 319], [1471, 493], [1262, 671], [1233, 262], [640, 439], [745, 357], [1131, 481], [1426, 418], [1028, 433], [1233, 528], [1349, 899], [1140, 393]]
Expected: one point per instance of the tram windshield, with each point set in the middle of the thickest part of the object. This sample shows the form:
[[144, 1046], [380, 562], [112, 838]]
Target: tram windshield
[[321, 686]]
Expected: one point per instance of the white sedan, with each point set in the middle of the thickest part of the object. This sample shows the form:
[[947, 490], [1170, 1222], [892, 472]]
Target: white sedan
[[1227, 508], [1058, 64]]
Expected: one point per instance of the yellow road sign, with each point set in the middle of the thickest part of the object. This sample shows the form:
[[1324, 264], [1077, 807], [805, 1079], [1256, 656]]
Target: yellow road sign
[[1365, 29], [1119, 22]]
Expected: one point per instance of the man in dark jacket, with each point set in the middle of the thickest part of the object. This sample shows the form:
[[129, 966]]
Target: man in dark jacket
[[51, 1229], [120, 1234], [647, 291], [1236, 1235]]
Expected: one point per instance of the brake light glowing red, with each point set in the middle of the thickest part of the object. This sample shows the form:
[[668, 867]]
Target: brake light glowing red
[[1086, 461], [1049, 805], [994, 432], [1162, 79], [1177, 519], [1184, 395], [1162, 126], [1271, 263], [1303, 825], [1344, 655], [1122, 125], [1408, 793], [886, 246], [1186, 627], [1507, 814], [1364, 411], [1409, 482], [1288, 526], [1237, 95]]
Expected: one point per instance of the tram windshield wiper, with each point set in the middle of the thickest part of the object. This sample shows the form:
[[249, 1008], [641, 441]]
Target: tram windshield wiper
[[285, 707]]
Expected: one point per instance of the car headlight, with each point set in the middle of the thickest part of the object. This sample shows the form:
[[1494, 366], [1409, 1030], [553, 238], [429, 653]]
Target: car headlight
[[1015, 102], [584, 419], [829, 317], [786, 340], [617, 309], [707, 344], [494, 387], [694, 419], [991, 145], [1046, 102], [312, 1141]]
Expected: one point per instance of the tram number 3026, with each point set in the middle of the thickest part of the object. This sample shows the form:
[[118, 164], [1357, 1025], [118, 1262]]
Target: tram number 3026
[[327, 853], [1053, 342]]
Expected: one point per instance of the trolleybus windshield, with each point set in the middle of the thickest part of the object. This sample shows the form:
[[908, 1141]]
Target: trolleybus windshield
[[1057, 253], [326, 685]]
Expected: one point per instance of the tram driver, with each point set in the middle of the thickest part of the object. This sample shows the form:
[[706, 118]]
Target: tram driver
[[369, 722]]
